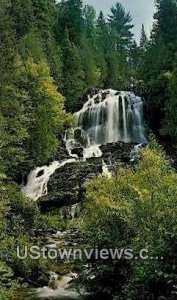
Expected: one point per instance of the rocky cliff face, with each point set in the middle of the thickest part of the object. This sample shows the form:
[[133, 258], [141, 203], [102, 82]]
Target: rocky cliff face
[[67, 186]]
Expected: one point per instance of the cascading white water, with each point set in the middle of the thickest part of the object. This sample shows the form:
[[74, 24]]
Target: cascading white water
[[70, 144], [135, 153], [107, 117], [36, 186], [92, 151], [112, 116], [106, 171]]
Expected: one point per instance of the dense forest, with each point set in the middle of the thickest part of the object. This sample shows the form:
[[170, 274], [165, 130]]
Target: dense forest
[[52, 54]]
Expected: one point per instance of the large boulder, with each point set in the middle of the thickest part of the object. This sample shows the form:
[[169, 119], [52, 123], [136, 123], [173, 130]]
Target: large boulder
[[118, 151], [67, 186]]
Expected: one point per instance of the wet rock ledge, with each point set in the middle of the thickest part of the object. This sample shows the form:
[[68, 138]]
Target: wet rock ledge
[[67, 186]]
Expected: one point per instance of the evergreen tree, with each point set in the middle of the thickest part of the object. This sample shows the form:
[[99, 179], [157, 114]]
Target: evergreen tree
[[3, 142], [13, 120], [33, 14], [135, 56], [70, 18], [101, 46], [101, 22], [88, 48], [102, 34], [120, 21], [73, 74], [143, 39], [90, 66], [159, 60], [165, 25], [117, 71], [7, 44], [169, 128], [89, 15]]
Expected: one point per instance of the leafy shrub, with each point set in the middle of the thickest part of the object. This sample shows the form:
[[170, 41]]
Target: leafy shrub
[[20, 225], [135, 209]]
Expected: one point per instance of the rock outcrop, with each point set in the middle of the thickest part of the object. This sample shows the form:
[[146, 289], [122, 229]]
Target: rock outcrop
[[67, 185]]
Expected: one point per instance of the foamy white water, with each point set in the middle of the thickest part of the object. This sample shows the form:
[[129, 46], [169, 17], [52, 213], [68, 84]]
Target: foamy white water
[[134, 155], [92, 151], [112, 116], [59, 293], [106, 171], [38, 179]]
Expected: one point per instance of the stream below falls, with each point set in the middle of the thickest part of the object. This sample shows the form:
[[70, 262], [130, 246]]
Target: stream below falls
[[46, 293]]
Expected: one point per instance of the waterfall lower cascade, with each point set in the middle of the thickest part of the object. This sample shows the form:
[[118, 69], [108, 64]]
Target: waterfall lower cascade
[[38, 179], [106, 171], [108, 117], [112, 116]]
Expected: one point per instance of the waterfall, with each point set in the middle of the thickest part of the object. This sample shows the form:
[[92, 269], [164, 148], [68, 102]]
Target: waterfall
[[109, 116], [73, 211], [70, 144], [135, 153], [36, 186], [92, 151], [106, 171], [112, 116]]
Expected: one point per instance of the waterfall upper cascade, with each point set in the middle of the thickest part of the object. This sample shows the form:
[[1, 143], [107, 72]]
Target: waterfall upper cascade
[[112, 116]]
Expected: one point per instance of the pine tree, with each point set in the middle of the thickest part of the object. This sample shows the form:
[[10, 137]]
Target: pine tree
[[73, 73], [70, 18], [13, 127], [101, 22], [120, 22], [75, 8], [89, 15], [7, 44], [117, 70], [169, 128], [90, 66], [102, 34], [135, 56], [33, 14], [159, 61], [165, 26], [3, 142], [143, 39]]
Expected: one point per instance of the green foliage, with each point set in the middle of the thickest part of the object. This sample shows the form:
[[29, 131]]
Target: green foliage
[[89, 15], [165, 27], [70, 18], [21, 224], [117, 70], [135, 57], [31, 107], [45, 110], [91, 47], [135, 209], [32, 14], [51, 53], [157, 68], [33, 111], [143, 39], [73, 74], [121, 22], [170, 121]]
